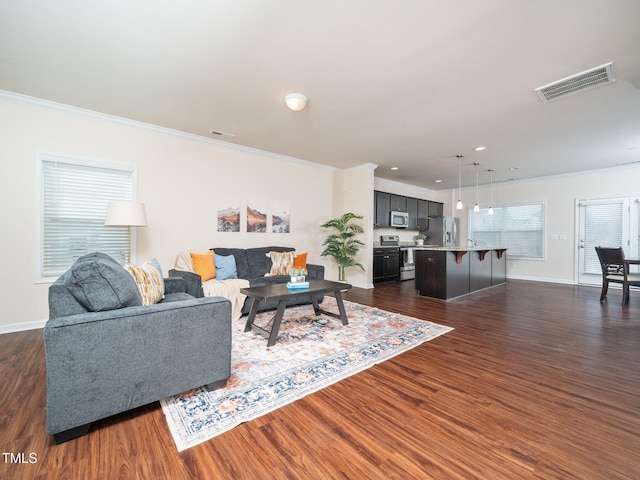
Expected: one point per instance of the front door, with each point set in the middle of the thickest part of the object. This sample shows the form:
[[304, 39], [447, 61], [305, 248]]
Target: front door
[[610, 222]]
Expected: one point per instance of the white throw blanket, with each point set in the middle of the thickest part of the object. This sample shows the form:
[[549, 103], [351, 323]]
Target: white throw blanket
[[229, 289]]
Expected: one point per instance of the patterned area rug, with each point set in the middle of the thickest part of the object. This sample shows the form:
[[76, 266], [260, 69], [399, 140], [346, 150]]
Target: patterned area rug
[[310, 354]]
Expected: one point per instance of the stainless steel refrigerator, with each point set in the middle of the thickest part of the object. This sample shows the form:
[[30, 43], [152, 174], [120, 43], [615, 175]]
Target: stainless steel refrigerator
[[443, 232]]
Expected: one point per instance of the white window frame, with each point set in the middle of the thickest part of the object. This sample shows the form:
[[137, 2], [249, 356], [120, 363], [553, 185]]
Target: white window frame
[[42, 276], [512, 252]]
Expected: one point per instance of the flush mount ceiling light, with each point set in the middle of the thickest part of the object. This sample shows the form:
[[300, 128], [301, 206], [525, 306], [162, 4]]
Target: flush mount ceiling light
[[394, 168], [296, 101]]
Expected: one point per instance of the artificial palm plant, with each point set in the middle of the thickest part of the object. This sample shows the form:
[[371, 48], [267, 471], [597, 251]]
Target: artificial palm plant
[[342, 245]]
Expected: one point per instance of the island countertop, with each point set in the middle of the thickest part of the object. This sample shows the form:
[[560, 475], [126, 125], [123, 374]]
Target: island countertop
[[478, 248]]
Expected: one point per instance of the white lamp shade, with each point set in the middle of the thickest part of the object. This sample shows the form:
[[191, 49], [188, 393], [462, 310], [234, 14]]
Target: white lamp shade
[[126, 214], [296, 101]]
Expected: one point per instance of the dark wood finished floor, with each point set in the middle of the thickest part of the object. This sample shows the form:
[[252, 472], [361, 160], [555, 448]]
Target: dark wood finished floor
[[537, 381]]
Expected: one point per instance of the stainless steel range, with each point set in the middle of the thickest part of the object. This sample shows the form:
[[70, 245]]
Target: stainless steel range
[[407, 263]]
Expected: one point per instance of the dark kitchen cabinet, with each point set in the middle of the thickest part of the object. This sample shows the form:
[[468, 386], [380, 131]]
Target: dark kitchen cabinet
[[498, 266], [423, 215], [382, 205], [419, 210], [436, 210], [412, 209], [398, 203], [442, 274], [386, 264]]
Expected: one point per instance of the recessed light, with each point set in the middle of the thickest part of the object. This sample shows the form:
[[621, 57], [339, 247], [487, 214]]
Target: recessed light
[[394, 168], [437, 181], [514, 168], [479, 149]]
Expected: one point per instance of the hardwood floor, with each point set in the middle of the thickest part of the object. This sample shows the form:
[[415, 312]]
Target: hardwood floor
[[537, 381]]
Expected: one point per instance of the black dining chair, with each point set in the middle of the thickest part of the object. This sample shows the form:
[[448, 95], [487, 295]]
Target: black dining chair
[[615, 268]]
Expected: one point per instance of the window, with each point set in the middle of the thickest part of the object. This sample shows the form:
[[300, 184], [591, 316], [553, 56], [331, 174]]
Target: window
[[73, 198], [520, 227]]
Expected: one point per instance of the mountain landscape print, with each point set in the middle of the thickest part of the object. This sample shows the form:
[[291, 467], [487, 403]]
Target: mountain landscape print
[[256, 219], [229, 219], [280, 218]]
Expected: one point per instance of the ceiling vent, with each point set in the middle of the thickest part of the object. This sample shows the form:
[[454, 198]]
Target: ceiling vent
[[577, 83]]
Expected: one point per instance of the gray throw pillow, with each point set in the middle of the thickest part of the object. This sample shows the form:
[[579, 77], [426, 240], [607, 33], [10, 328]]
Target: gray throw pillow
[[100, 283]]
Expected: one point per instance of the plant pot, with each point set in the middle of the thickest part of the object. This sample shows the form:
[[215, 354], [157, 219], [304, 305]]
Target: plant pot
[[419, 243], [298, 279]]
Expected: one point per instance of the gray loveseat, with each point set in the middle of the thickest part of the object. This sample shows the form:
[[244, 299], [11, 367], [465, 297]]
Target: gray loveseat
[[106, 353], [252, 264]]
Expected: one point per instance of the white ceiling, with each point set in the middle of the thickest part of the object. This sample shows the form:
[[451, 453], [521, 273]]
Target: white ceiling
[[406, 83]]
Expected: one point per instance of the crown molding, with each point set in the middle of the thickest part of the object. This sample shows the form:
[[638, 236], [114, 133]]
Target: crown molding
[[61, 107]]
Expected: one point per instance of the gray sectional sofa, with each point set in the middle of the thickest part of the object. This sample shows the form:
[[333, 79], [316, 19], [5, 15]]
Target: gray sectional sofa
[[252, 264], [106, 353]]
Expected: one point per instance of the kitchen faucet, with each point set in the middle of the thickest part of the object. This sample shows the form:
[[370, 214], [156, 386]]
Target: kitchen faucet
[[473, 242]]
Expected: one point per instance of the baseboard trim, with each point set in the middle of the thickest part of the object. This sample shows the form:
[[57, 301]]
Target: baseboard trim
[[21, 327], [538, 279]]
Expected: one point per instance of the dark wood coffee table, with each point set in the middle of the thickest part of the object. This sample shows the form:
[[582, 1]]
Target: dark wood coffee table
[[282, 294]]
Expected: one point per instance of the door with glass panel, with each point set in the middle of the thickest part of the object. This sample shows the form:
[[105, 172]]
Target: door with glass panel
[[610, 222]]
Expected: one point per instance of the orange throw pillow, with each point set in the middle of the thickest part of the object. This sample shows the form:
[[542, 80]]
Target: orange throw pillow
[[204, 265], [300, 260]]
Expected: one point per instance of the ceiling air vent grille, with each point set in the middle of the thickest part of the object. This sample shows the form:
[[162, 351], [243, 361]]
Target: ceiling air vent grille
[[577, 83]]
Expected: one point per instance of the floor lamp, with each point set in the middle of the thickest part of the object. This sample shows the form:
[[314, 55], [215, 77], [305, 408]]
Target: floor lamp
[[126, 214]]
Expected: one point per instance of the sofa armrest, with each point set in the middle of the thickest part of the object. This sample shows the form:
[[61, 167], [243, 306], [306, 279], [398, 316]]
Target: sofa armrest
[[102, 363], [175, 285], [193, 282], [315, 272]]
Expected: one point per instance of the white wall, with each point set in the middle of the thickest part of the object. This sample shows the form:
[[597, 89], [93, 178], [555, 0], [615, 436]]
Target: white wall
[[560, 194], [182, 180], [357, 197]]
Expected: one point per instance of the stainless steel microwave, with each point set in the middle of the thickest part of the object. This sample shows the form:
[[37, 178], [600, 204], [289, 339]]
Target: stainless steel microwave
[[399, 219]]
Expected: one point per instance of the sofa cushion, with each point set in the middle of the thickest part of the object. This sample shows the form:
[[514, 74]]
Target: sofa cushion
[[176, 297], [100, 283], [203, 265], [225, 266], [149, 282]]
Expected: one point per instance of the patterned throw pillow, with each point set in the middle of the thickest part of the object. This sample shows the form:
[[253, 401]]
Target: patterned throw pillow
[[149, 282], [281, 262]]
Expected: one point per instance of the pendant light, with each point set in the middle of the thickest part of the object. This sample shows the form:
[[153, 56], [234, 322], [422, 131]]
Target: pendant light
[[490, 192], [459, 205], [476, 207]]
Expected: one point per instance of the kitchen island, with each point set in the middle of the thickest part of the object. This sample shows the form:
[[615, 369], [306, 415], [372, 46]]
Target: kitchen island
[[449, 272]]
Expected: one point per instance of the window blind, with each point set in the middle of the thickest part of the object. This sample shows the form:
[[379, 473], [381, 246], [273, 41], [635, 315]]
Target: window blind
[[603, 223], [520, 227], [74, 199]]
